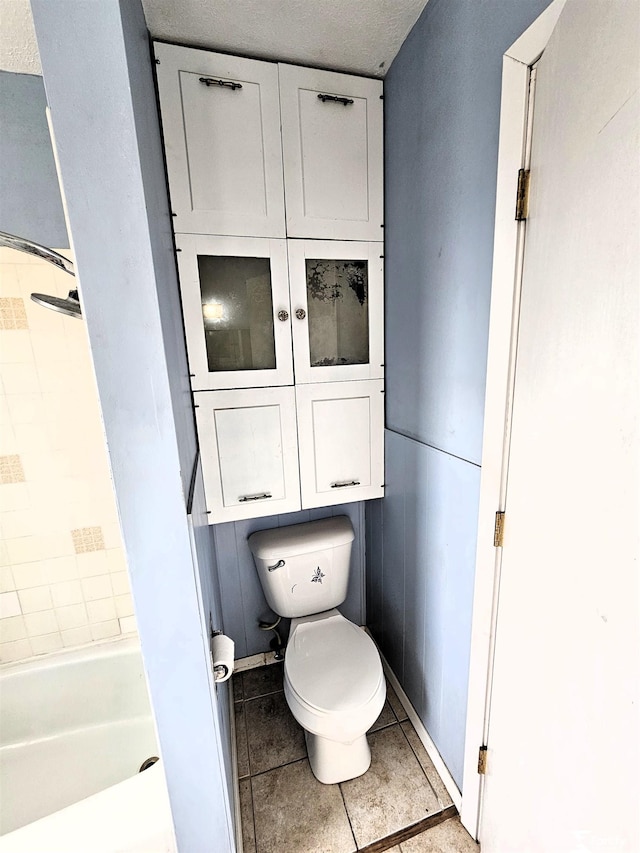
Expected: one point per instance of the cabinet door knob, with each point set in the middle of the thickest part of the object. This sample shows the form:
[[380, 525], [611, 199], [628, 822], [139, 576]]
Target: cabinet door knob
[[283, 316], [263, 497], [301, 313]]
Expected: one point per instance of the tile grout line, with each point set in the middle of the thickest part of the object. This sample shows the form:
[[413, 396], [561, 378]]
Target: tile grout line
[[253, 818], [346, 811], [419, 762], [279, 767]]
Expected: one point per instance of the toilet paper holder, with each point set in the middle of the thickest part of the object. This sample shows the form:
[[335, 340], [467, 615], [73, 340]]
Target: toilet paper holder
[[222, 656]]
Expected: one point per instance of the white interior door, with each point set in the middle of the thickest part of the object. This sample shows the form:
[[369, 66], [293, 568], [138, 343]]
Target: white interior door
[[563, 745]]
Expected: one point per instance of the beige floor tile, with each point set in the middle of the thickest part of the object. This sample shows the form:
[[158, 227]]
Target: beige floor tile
[[386, 718], [294, 813], [275, 738], [242, 744], [447, 837], [392, 794], [246, 816], [427, 765], [263, 680], [396, 704]]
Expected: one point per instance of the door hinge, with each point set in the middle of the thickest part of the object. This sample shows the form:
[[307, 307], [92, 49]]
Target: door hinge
[[482, 760], [522, 195], [498, 531]]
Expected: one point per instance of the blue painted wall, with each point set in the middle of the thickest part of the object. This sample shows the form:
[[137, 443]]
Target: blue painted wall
[[244, 601], [98, 76], [30, 202], [211, 608], [442, 107]]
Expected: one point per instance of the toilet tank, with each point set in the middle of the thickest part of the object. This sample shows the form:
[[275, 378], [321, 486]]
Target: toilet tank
[[304, 568]]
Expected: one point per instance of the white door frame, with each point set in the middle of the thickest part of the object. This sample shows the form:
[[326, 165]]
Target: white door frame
[[502, 336]]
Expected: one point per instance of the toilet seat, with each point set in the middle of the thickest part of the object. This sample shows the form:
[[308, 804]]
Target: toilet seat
[[333, 677]]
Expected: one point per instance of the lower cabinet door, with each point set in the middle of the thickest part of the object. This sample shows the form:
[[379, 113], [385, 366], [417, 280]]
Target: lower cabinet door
[[340, 437], [249, 452]]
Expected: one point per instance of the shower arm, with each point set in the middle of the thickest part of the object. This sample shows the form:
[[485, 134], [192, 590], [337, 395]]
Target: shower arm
[[69, 306], [22, 245]]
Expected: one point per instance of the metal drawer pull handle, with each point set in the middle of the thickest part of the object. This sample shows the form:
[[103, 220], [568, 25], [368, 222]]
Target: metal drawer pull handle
[[283, 316], [301, 313], [336, 99], [348, 483], [229, 84], [262, 497], [278, 565]]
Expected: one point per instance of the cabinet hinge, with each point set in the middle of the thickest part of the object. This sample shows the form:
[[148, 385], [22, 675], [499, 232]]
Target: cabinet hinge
[[498, 531], [522, 195], [482, 760]]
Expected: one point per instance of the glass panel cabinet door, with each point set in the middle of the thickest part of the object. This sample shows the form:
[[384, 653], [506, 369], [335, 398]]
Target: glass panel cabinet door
[[236, 311], [336, 297]]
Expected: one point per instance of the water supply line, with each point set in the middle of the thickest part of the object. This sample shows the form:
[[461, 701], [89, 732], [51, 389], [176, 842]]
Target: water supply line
[[276, 642]]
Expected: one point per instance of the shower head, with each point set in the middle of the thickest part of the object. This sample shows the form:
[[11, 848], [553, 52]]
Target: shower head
[[69, 306]]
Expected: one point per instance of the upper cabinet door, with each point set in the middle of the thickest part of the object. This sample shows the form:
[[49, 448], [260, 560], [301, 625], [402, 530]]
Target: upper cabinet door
[[221, 124], [336, 310], [235, 302], [332, 144]]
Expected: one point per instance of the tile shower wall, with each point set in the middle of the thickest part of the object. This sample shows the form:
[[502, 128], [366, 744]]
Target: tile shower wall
[[63, 576]]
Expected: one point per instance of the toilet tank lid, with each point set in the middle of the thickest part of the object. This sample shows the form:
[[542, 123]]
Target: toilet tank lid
[[304, 538]]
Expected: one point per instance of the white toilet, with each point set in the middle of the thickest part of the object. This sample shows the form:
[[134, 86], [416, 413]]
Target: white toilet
[[333, 678]]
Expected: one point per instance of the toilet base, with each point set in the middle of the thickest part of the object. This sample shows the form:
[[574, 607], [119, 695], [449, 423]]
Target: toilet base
[[333, 762]]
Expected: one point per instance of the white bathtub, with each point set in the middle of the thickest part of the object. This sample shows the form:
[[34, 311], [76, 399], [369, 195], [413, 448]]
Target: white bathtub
[[72, 725]]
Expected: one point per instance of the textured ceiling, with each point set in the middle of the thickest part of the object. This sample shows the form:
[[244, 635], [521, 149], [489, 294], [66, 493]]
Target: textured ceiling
[[18, 48], [361, 36]]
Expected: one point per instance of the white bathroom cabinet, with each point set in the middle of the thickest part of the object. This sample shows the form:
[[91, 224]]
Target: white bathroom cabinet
[[273, 450], [275, 179], [227, 123], [245, 304]]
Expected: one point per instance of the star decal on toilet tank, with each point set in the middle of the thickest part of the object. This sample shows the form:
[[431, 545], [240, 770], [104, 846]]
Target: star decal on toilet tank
[[317, 576]]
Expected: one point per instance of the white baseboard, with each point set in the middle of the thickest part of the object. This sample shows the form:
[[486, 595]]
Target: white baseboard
[[254, 661], [236, 778], [429, 745]]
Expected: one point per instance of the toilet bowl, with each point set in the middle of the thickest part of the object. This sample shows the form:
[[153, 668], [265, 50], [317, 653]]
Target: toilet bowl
[[333, 678], [335, 688]]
